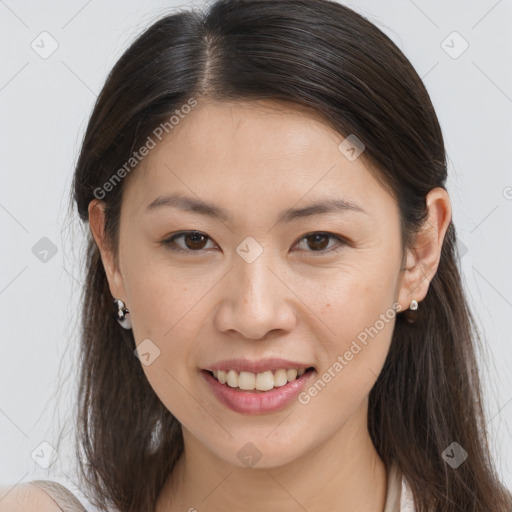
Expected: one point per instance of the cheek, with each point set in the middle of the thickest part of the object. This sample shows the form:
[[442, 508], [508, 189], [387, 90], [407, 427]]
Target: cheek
[[167, 317], [161, 296], [353, 301], [355, 359], [171, 325], [359, 317]]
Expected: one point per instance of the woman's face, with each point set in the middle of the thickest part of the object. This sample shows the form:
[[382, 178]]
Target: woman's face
[[258, 283]]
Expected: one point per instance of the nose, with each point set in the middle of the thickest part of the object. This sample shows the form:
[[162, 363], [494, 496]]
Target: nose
[[256, 301]]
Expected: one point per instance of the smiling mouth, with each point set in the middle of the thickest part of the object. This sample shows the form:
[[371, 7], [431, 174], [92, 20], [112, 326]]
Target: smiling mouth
[[260, 382]]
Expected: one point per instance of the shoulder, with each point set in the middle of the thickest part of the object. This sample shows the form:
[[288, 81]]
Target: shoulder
[[26, 498]]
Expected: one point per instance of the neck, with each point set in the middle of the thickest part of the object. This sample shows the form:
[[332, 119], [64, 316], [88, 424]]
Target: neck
[[344, 473]]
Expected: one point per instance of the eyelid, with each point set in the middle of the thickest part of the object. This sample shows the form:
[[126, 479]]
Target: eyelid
[[342, 241], [169, 240]]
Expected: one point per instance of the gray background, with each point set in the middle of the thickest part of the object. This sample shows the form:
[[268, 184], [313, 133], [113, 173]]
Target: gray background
[[45, 104]]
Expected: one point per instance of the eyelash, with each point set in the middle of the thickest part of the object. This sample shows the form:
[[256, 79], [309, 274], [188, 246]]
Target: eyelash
[[168, 242]]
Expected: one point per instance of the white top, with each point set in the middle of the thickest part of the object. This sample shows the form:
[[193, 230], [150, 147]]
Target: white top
[[398, 498]]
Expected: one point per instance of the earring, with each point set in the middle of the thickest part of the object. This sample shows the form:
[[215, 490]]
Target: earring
[[414, 305], [121, 314]]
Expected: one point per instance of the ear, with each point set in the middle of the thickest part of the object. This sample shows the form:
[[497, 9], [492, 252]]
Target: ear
[[97, 226], [423, 260]]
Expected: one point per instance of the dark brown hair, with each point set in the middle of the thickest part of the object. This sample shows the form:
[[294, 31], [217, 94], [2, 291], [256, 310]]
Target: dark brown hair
[[324, 57]]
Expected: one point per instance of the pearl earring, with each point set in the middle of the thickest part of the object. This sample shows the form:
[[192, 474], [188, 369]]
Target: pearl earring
[[121, 314], [414, 305]]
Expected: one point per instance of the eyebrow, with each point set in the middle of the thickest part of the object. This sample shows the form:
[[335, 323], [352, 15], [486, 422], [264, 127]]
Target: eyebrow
[[190, 204]]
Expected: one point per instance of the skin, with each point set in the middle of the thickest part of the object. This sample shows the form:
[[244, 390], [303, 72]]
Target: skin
[[256, 159]]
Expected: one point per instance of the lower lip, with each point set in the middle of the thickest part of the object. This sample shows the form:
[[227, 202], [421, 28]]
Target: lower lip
[[253, 402]]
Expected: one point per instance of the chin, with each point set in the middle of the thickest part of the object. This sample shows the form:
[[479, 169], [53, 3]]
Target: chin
[[259, 452]]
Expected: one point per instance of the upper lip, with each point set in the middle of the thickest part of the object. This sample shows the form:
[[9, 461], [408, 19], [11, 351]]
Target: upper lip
[[258, 366]]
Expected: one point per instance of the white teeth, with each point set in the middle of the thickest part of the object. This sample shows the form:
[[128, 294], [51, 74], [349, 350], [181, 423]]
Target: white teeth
[[232, 379], [264, 381], [246, 380], [280, 378], [291, 374]]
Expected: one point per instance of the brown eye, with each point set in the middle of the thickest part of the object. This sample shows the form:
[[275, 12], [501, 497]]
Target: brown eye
[[194, 241], [319, 241]]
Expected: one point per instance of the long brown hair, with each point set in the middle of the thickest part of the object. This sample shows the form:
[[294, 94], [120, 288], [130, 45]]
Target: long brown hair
[[327, 58]]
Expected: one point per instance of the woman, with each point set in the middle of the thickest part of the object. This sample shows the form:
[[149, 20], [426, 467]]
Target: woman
[[265, 189]]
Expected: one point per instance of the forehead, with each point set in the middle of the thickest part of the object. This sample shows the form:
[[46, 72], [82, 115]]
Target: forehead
[[257, 150]]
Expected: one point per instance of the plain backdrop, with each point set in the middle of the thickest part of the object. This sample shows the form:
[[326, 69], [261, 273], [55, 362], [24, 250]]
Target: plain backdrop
[[55, 57]]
